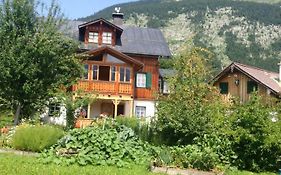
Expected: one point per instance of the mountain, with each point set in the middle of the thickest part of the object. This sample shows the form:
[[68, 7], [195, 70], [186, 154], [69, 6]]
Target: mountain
[[243, 31]]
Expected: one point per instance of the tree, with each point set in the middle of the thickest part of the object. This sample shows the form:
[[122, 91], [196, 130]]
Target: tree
[[193, 106], [35, 57]]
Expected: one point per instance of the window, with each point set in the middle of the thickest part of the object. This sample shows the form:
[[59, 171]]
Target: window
[[54, 110], [106, 37], [86, 74], [113, 73], [128, 75], [141, 80], [252, 86], [95, 72], [93, 37], [125, 74], [224, 87], [140, 111]]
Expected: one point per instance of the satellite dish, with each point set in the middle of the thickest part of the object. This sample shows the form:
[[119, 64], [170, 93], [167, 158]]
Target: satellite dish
[[117, 9]]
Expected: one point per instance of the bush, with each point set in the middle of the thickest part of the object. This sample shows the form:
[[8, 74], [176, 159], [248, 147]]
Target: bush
[[35, 138], [142, 128], [110, 144], [256, 137]]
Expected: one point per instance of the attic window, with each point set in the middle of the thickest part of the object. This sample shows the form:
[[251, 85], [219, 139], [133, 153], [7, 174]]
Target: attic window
[[93, 37], [106, 37]]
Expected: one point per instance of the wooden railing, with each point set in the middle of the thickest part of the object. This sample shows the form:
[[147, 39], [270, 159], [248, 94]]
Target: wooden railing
[[104, 87]]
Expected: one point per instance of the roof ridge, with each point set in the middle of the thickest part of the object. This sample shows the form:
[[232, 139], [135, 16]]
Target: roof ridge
[[250, 66]]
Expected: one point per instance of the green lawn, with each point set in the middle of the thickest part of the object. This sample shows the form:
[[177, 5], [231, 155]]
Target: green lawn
[[246, 173], [11, 164]]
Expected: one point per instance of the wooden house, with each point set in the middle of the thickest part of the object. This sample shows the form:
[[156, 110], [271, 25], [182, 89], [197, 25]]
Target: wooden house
[[240, 80], [122, 67]]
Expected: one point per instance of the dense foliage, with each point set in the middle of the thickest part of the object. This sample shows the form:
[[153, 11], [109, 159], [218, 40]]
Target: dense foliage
[[255, 133], [193, 105], [35, 138], [35, 58], [99, 145]]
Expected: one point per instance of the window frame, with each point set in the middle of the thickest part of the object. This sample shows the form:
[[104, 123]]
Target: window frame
[[140, 112], [54, 109], [107, 37], [143, 83], [126, 70], [93, 37]]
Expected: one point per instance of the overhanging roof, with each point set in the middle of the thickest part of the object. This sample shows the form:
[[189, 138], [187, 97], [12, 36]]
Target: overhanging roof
[[117, 54]]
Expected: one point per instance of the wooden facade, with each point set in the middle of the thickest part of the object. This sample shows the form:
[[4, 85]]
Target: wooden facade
[[237, 86], [240, 81], [105, 69]]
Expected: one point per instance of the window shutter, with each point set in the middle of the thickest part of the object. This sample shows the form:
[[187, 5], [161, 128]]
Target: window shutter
[[251, 86], [148, 80], [224, 88]]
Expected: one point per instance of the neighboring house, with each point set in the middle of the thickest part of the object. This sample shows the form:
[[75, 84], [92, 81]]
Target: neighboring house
[[239, 80], [122, 67]]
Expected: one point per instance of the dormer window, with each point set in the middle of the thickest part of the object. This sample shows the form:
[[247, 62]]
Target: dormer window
[[106, 37], [93, 37]]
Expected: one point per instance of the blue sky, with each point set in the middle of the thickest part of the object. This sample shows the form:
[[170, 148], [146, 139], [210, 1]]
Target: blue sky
[[82, 8]]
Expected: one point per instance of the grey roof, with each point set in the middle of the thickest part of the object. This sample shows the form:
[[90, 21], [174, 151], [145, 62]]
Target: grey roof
[[146, 41], [134, 40], [166, 73]]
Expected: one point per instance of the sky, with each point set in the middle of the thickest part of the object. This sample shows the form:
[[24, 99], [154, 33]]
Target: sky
[[81, 8]]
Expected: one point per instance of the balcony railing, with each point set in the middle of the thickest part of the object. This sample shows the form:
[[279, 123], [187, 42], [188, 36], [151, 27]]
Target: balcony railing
[[104, 87]]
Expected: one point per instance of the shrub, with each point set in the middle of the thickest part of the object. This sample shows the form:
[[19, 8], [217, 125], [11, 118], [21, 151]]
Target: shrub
[[35, 138], [256, 138], [106, 145], [142, 128]]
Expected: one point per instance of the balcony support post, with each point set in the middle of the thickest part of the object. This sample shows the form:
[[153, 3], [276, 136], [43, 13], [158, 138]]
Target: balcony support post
[[116, 103], [89, 111], [132, 108]]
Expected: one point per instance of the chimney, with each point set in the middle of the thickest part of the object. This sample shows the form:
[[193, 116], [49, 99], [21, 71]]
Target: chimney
[[279, 71], [117, 17]]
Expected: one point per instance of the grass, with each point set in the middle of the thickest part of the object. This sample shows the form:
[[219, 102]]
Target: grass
[[237, 172], [11, 164]]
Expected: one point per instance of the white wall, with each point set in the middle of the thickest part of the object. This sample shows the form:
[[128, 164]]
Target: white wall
[[59, 120], [150, 107]]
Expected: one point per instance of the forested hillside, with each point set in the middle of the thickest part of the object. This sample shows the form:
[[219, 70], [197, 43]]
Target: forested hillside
[[243, 31]]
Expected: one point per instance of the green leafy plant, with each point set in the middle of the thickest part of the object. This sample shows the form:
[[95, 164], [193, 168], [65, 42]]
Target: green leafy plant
[[110, 144], [255, 135], [35, 138]]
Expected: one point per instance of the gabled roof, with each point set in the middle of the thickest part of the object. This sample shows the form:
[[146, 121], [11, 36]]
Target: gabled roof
[[117, 54], [267, 78], [99, 20]]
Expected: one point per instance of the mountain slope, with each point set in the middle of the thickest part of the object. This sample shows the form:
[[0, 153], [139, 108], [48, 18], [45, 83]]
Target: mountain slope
[[242, 31]]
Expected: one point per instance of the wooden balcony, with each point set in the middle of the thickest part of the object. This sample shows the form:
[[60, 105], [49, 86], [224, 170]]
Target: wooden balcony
[[104, 87]]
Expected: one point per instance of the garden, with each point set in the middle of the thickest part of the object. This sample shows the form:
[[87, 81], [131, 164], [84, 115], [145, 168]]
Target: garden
[[194, 128]]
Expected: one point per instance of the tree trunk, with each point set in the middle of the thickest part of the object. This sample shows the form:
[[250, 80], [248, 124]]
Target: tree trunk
[[17, 115]]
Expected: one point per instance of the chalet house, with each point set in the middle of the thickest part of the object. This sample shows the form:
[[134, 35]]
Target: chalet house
[[122, 67], [239, 80]]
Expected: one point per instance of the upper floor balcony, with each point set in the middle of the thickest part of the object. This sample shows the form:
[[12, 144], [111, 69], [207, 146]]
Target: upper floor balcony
[[112, 79]]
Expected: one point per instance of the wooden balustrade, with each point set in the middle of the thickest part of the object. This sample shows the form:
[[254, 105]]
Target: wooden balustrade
[[104, 87]]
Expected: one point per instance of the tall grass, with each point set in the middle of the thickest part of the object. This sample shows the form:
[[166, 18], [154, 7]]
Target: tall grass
[[35, 138]]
